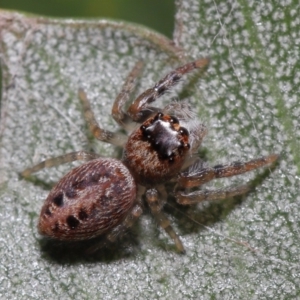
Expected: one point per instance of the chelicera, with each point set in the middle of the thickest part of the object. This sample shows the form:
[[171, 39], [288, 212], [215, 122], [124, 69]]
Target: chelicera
[[105, 196]]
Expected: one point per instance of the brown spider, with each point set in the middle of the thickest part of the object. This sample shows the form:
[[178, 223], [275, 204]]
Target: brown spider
[[103, 197]]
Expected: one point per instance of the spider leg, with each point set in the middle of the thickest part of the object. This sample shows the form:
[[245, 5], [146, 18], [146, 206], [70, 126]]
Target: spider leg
[[210, 195], [163, 221], [59, 160], [99, 133], [127, 223], [197, 176], [118, 114], [138, 109], [120, 229]]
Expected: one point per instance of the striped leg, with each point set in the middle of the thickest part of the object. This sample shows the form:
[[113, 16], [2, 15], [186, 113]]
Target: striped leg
[[138, 109], [99, 133], [210, 195], [196, 176], [59, 160], [118, 114], [162, 220], [118, 231]]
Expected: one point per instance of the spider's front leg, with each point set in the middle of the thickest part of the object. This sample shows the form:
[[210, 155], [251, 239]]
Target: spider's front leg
[[156, 210], [139, 110], [103, 135], [117, 112], [194, 177]]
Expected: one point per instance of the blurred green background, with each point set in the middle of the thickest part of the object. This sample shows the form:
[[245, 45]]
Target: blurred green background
[[155, 14]]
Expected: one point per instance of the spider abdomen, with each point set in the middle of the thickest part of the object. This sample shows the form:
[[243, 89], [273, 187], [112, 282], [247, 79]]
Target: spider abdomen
[[88, 201]]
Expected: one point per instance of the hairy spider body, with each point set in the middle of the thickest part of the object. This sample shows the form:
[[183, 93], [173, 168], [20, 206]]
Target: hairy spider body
[[103, 197]]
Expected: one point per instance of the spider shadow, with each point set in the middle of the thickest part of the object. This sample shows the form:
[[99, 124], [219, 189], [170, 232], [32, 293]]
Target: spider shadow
[[71, 253], [196, 218]]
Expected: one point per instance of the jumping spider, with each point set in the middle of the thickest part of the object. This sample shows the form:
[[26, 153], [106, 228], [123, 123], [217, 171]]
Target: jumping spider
[[103, 197]]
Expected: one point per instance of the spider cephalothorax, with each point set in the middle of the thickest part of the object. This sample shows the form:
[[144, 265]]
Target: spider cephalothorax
[[156, 151], [103, 197]]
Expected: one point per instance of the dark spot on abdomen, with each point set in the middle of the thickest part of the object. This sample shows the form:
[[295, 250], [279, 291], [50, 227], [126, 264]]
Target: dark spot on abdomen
[[71, 193], [58, 200], [82, 215], [72, 222], [90, 180]]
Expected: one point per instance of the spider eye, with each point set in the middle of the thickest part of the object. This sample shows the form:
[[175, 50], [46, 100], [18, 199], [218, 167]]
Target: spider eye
[[174, 120], [185, 145], [171, 158], [183, 131]]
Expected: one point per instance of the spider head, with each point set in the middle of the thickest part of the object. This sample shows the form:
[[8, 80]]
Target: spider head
[[166, 136], [155, 152]]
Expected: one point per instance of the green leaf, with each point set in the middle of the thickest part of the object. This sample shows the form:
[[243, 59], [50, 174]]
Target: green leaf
[[237, 248]]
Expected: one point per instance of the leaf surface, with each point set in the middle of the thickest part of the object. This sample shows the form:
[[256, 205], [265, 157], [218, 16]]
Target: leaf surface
[[239, 248]]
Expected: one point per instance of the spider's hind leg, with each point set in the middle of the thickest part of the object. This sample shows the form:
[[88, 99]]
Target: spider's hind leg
[[163, 221], [119, 231], [210, 195], [196, 176], [59, 160]]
